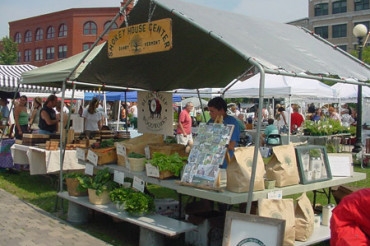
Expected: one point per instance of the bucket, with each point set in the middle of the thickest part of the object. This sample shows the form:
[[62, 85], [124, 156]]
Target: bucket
[[103, 198], [137, 164], [72, 184]]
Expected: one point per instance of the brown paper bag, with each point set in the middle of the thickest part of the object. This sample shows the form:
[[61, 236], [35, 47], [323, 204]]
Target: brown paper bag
[[280, 209], [282, 166], [239, 171], [304, 218]]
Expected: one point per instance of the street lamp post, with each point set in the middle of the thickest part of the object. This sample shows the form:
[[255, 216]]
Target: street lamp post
[[359, 31]]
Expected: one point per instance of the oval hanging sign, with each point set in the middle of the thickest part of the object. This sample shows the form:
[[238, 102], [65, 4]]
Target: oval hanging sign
[[150, 37]]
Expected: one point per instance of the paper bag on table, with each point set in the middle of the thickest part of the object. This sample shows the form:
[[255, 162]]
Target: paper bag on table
[[239, 171], [280, 209], [282, 166], [304, 218]]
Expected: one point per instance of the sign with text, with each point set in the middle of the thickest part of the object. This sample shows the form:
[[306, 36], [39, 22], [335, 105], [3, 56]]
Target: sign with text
[[92, 157], [144, 38], [138, 184], [89, 169], [276, 194], [155, 113], [152, 171], [81, 154], [119, 177]]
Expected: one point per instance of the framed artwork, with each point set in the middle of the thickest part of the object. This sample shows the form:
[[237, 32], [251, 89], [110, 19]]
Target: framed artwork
[[313, 164], [245, 229], [207, 154]]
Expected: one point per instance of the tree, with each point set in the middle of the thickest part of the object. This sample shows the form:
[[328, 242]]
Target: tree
[[365, 54], [8, 53]]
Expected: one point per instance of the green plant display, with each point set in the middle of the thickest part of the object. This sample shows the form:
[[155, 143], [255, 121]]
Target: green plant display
[[76, 175], [324, 128], [173, 163], [315, 153], [120, 195], [139, 203], [102, 181], [135, 155]]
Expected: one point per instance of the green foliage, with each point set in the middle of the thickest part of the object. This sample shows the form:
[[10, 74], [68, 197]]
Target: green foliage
[[8, 55], [73, 175], [323, 128], [139, 203], [135, 155], [173, 163], [102, 181], [315, 153], [365, 54], [107, 143], [120, 194]]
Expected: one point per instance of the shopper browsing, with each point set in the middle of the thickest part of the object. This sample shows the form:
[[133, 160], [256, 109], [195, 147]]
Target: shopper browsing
[[48, 121], [93, 119], [21, 117], [183, 131]]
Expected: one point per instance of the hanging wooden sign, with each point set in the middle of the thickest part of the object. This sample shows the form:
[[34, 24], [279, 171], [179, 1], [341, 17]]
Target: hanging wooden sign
[[150, 37]]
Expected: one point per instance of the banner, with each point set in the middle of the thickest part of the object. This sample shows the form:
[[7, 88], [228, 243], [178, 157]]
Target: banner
[[150, 37], [155, 113]]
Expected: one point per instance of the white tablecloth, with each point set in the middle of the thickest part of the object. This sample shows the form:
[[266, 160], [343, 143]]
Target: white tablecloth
[[43, 161]]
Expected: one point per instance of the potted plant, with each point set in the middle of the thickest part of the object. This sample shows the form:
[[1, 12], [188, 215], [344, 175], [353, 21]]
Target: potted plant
[[119, 195], [315, 162], [98, 186], [136, 161], [138, 203], [74, 187], [168, 165]]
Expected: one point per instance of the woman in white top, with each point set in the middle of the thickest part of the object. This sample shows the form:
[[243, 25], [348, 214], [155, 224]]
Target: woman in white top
[[92, 117], [282, 120]]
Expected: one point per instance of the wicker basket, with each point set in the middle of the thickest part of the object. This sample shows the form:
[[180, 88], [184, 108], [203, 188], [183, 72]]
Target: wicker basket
[[137, 164], [165, 174], [167, 149], [103, 198], [72, 184], [121, 161]]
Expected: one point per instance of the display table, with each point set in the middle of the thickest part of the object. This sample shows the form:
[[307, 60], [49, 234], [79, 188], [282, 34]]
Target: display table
[[43, 161], [6, 160]]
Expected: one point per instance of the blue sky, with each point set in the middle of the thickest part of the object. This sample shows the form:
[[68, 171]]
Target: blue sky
[[275, 10]]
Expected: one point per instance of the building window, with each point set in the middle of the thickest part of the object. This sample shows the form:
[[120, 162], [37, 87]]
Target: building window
[[62, 51], [86, 46], [323, 31], [18, 38], [90, 28], [19, 56], [62, 31], [340, 6], [28, 36], [340, 31], [50, 32], [321, 9], [361, 5], [38, 54], [39, 34], [27, 55], [50, 53], [343, 47], [113, 27]]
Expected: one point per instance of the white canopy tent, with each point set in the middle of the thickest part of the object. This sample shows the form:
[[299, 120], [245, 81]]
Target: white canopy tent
[[348, 92]]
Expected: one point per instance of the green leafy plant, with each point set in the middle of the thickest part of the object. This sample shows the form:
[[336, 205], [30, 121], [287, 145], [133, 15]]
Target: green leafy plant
[[139, 203], [102, 181], [135, 155], [120, 195], [173, 163], [76, 175], [315, 153]]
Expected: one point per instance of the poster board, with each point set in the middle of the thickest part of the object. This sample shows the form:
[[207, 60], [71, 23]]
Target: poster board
[[207, 154], [341, 164], [155, 113]]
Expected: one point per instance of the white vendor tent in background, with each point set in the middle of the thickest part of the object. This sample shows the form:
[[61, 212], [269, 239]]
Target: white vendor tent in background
[[203, 92], [348, 92], [194, 100], [280, 86], [10, 76]]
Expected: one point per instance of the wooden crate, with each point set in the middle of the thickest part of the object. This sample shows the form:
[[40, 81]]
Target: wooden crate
[[106, 155], [33, 139]]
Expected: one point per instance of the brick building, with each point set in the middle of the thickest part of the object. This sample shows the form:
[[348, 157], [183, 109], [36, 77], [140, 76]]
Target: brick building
[[334, 20], [51, 37]]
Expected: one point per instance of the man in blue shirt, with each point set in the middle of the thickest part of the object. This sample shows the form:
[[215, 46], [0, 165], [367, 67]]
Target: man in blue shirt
[[4, 108], [218, 107]]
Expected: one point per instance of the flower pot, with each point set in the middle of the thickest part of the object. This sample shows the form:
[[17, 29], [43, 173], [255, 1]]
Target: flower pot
[[270, 184], [136, 164], [72, 184], [103, 198]]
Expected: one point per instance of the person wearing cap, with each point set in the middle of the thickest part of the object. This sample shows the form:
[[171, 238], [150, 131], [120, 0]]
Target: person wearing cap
[[35, 116], [4, 108]]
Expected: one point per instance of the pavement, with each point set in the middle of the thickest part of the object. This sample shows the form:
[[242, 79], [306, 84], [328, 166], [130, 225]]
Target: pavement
[[23, 224]]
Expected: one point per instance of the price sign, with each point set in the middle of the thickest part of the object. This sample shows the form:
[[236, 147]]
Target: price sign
[[276, 194], [152, 171], [121, 150], [147, 152], [89, 169], [92, 157], [138, 184], [119, 177], [80, 153]]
